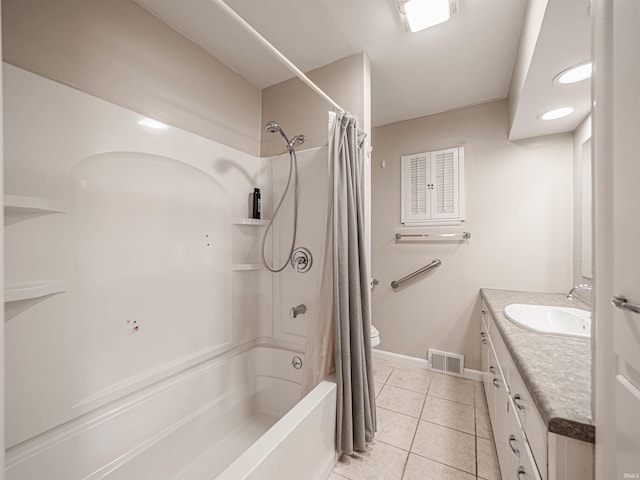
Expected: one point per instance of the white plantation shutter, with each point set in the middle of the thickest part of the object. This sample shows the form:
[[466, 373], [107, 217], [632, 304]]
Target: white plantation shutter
[[420, 195], [432, 187], [446, 183]]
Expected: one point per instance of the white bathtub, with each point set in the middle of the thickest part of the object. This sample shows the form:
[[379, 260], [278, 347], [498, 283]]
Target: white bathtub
[[235, 417]]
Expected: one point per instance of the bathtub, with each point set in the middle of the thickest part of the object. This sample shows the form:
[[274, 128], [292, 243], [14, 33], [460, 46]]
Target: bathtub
[[238, 416]]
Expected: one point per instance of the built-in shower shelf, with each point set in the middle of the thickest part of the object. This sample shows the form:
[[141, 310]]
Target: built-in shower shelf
[[19, 205], [239, 267], [30, 291], [251, 222]]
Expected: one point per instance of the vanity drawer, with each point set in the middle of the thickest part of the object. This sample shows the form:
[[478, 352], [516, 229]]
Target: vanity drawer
[[486, 317], [531, 421], [501, 350]]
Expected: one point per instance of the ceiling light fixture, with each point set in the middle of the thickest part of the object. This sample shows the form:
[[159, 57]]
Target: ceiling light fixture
[[577, 73], [557, 113], [149, 122], [417, 15]]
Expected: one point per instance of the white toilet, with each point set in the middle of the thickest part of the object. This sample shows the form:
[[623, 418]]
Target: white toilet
[[375, 336]]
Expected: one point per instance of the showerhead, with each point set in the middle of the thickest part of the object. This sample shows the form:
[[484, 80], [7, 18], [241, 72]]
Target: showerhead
[[272, 127]]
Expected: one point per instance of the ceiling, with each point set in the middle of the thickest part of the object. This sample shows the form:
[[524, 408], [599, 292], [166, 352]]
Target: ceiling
[[465, 61]]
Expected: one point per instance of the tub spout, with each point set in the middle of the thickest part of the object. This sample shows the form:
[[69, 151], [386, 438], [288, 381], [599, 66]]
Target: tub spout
[[299, 310]]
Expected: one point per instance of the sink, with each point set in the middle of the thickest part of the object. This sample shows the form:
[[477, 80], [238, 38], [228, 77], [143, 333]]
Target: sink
[[572, 322]]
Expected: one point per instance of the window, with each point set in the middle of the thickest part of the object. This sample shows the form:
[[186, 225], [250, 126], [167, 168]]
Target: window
[[433, 188]]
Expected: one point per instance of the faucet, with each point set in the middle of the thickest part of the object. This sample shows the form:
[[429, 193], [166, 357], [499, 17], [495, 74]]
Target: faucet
[[299, 310], [576, 288]]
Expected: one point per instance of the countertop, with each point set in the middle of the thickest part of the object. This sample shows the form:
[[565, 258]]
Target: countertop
[[555, 369]]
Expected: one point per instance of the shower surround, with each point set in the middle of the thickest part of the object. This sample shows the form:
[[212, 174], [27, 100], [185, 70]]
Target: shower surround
[[151, 317]]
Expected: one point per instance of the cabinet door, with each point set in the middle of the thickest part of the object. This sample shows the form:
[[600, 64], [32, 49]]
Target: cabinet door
[[500, 433], [497, 398], [489, 388], [484, 349], [515, 444], [520, 463]]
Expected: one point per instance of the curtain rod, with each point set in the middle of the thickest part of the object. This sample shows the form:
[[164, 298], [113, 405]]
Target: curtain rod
[[275, 52]]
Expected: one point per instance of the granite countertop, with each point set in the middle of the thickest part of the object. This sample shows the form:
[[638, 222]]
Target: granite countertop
[[555, 369]]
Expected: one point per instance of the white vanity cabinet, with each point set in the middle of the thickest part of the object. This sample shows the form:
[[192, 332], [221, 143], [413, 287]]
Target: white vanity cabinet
[[557, 370], [518, 430]]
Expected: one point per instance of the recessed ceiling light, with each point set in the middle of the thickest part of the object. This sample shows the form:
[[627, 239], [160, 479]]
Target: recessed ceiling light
[[417, 15], [557, 113], [575, 74], [149, 122]]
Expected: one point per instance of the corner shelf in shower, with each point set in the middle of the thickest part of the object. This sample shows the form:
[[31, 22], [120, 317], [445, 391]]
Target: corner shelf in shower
[[30, 291], [250, 222], [17, 205], [245, 267]]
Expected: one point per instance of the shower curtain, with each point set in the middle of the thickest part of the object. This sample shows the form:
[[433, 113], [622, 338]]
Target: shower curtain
[[341, 331]]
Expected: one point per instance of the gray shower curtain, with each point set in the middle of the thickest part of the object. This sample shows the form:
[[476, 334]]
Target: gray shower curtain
[[356, 412]]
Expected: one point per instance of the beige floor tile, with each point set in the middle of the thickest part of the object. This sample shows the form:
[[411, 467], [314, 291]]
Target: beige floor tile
[[404, 366], [412, 368], [410, 380], [396, 428], [488, 468], [378, 387], [483, 425], [445, 445], [452, 388], [379, 462], [420, 468], [449, 414], [401, 401], [335, 476], [381, 373], [480, 398]]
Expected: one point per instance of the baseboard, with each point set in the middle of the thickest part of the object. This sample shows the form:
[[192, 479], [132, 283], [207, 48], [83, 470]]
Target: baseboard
[[420, 362], [473, 374], [399, 358]]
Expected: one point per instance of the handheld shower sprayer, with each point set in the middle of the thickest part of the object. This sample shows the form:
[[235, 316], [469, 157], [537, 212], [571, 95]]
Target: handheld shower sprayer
[[273, 127]]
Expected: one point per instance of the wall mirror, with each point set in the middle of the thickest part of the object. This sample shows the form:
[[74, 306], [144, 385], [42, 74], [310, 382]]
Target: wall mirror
[[586, 204]]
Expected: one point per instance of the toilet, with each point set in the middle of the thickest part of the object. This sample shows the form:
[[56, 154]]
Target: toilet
[[375, 336]]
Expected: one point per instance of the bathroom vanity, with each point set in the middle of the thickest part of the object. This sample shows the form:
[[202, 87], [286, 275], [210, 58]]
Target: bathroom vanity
[[538, 389]]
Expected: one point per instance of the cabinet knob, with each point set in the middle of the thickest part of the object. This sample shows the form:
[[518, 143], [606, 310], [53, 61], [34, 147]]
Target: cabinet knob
[[492, 369], [495, 383], [517, 397], [512, 438], [521, 472]]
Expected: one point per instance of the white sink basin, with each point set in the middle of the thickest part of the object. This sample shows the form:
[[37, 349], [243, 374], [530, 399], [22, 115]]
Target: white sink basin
[[572, 322]]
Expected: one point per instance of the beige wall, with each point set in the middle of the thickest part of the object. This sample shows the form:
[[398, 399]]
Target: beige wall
[[519, 209], [298, 109], [118, 51]]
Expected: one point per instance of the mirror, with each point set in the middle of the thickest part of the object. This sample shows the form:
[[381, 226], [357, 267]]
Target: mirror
[[586, 211]]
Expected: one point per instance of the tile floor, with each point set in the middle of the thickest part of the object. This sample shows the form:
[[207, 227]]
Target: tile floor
[[430, 426]]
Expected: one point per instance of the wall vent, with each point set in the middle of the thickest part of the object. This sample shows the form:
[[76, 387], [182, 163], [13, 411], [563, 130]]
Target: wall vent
[[446, 362]]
